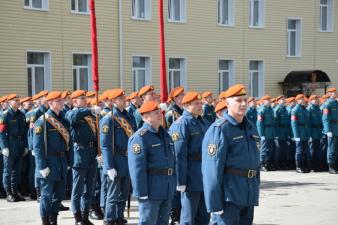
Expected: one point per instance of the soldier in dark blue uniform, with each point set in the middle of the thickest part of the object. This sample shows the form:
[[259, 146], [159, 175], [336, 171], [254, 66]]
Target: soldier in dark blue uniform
[[323, 140], [82, 156], [301, 134], [208, 110], [282, 121], [187, 133], [134, 103], [220, 109], [51, 141], [176, 108], [330, 123], [315, 128], [13, 141], [251, 114], [151, 162], [266, 130], [230, 164], [115, 129]]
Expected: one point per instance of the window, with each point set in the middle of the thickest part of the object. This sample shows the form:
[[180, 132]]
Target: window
[[82, 77], [225, 12], [79, 6], [225, 74], [36, 4], [38, 72], [176, 11], [177, 71], [256, 13], [141, 9], [326, 15], [294, 37], [256, 78], [141, 72]]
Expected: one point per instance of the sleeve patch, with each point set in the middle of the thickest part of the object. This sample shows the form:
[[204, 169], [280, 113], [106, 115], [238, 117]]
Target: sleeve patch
[[175, 136], [105, 129], [38, 129], [136, 148], [212, 149], [294, 118]]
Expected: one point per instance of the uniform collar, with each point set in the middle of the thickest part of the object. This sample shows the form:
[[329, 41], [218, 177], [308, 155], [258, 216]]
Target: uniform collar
[[150, 128], [177, 109], [234, 122]]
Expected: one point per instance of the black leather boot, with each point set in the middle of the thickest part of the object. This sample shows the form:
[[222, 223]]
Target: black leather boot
[[78, 219], [63, 208], [298, 167], [45, 221], [38, 194], [85, 219], [332, 169], [53, 220]]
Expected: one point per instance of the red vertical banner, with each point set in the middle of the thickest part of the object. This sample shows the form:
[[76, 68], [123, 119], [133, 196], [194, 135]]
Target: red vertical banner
[[163, 67], [95, 61]]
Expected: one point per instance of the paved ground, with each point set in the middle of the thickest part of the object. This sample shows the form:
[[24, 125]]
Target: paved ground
[[287, 198]]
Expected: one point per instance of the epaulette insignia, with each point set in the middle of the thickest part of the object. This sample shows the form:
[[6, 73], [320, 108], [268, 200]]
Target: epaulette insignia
[[143, 131]]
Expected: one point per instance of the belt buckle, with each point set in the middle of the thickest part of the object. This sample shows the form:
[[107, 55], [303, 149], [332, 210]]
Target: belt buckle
[[170, 172], [251, 173]]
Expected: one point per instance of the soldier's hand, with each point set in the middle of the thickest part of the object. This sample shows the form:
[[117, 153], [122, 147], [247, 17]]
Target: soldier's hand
[[329, 134], [112, 173], [144, 197], [100, 160], [262, 138], [45, 172], [163, 107], [297, 139], [181, 188], [5, 152], [217, 213], [310, 139]]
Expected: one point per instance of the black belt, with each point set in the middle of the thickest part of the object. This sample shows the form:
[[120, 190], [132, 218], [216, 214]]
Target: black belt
[[56, 154], [164, 172], [195, 157], [268, 125], [301, 124], [316, 126], [282, 126], [90, 144], [242, 173], [17, 137]]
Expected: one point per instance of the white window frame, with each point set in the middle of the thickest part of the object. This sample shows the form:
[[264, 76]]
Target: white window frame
[[47, 75], [231, 72], [90, 75], [261, 77], [261, 14], [147, 10], [183, 69], [299, 32], [148, 71], [183, 12], [45, 5], [76, 11], [329, 19], [231, 13]]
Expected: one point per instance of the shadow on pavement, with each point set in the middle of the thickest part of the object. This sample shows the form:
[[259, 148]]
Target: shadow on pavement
[[266, 185]]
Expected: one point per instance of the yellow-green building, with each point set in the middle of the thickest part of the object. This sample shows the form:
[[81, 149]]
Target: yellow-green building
[[210, 44]]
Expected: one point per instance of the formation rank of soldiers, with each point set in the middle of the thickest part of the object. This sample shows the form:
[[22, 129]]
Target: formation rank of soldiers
[[198, 163]]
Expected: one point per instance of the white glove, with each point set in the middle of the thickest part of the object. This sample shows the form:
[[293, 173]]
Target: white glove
[[5, 152], [329, 134], [181, 188], [100, 160], [96, 110], [217, 213], [163, 106], [297, 139], [33, 153], [45, 172], [263, 138], [144, 197], [310, 139], [112, 173], [25, 152], [68, 167]]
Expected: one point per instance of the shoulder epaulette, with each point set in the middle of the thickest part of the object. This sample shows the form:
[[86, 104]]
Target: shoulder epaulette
[[142, 132], [220, 122]]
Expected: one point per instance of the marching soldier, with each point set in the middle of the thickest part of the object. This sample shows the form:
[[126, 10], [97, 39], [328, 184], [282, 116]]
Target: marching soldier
[[230, 164], [187, 133], [151, 162], [176, 108], [116, 128], [323, 140], [13, 141], [82, 155], [330, 123], [251, 114], [51, 142], [299, 124], [266, 130], [135, 103], [208, 109]]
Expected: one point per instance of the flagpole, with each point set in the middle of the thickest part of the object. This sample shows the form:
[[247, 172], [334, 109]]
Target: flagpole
[[163, 67]]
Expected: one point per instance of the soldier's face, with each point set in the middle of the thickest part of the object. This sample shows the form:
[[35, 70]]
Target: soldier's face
[[315, 101], [56, 105], [154, 118], [80, 102], [151, 96], [237, 105], [120, 102], [178, 99], [195, 107], [14, 103]]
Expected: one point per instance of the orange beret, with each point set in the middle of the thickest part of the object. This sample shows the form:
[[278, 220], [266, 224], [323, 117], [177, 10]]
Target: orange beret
[[299, 96], [235, 90], [2, 99], [116, 93], [133, 95], [250, 99], [92, 101], [291, 99], [90, 94], [313, 97], [279, 97], [222, 95], [25, 99], [266, 97], [148, 107], [206, 94], [54, 95], [191, 96], [42, 94], [78, 93], [65, 94], [220, 106], [145, 89], [12, 96], [325, 97], [273, 100], [331, 90], [176, 92]]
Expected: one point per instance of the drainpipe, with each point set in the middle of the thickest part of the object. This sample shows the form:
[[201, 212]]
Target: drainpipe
[[121, 43]]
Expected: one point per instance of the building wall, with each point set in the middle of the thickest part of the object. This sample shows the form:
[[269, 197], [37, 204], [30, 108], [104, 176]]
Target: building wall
[[200, 40]]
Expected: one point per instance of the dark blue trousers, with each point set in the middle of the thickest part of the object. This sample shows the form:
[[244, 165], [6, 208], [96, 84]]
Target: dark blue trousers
[[193, 210], [154, 212], [52, 193], [234, 215], [11, 174]]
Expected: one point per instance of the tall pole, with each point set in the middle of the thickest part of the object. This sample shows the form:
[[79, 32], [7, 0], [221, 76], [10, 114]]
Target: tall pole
[[163, 67]]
